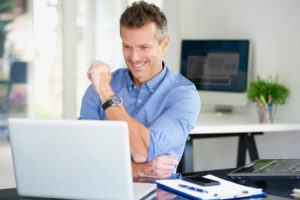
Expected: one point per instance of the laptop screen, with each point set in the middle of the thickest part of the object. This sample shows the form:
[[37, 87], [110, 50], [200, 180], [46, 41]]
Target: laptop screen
[[268, 168], [254, 166]]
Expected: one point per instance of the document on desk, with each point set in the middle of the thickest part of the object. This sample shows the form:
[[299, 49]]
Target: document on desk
[[225, 190]]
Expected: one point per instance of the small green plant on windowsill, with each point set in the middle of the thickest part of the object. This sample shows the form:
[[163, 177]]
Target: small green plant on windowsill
[[267, 93]]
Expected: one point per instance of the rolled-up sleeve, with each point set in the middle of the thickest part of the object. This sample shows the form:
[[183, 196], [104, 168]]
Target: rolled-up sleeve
[[90, 105], [170, 130]]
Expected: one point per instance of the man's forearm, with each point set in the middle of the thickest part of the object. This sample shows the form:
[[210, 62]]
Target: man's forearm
[[139, 135], [143, 170], [159, 167], [136, 169]]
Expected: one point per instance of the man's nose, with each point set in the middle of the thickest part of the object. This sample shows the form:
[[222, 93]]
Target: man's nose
[[135, 56]]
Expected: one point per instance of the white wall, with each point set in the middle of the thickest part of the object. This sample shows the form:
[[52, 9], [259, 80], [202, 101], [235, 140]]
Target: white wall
[[172, 56], [274, 30], [108, 43]]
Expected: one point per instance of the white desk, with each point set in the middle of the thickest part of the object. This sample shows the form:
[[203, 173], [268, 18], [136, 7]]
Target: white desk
[[228, 125]]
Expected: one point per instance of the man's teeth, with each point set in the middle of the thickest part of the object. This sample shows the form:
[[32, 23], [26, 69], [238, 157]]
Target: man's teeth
[[139, 65]]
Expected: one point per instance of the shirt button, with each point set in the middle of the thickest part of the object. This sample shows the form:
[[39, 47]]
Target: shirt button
[[140, 101], [152, 90], [130, 89]]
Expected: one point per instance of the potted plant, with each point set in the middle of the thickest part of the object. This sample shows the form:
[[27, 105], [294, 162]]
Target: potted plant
[[6, 8], [266, 94]]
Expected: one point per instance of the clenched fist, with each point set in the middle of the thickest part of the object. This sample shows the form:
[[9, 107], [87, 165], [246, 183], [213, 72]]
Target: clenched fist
[[99, 74]]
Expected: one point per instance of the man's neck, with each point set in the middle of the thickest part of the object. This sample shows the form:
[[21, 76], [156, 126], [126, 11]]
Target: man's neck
[[138, 82]]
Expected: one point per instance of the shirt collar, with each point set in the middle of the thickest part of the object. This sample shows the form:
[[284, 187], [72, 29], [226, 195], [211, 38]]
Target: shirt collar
[[151, 84], [154, 82], [130, 83]]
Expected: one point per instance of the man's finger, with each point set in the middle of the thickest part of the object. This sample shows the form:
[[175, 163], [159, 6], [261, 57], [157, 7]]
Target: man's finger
[[167, 159], [173, 157], [163, 164]]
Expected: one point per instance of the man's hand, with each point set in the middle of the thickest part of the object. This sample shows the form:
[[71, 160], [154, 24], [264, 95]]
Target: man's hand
[[159, 167], [99, 74]]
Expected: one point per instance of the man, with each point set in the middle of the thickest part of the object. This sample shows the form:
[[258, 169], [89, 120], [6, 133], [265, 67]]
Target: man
[[160, 107]]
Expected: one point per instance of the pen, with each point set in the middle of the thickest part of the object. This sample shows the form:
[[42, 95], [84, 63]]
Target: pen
[[270, 99], [259, 102], [270, 106], [234, 196], [270, 110], [243, 194], [263, 99], [193, 188]]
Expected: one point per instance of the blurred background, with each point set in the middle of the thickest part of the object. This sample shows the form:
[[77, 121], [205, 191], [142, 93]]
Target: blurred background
[[46, 47]]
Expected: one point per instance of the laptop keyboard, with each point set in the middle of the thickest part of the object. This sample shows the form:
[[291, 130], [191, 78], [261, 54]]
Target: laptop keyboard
[[282, 166]]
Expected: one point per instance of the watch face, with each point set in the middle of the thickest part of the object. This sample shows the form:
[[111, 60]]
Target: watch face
[[116, 99]]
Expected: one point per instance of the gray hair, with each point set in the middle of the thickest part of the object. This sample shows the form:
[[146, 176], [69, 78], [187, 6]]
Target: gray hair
[[141, 13]]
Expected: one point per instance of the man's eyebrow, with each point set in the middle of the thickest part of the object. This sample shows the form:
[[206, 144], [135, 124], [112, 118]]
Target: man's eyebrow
[[146, 44], [140, 45], [125, 44]]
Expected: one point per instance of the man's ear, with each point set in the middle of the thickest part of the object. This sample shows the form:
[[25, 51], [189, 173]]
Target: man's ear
[[165, 43]]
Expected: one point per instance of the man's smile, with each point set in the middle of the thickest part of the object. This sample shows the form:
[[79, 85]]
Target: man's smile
[[139, 65]]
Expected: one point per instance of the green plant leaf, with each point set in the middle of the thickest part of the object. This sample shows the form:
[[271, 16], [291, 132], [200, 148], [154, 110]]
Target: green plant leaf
[[268, 88], [6, 6]]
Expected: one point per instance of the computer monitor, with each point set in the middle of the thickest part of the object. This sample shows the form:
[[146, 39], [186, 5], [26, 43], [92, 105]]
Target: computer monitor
[[219, 70]]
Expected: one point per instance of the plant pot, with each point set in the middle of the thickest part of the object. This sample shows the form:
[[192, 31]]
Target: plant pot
[[265, 114]]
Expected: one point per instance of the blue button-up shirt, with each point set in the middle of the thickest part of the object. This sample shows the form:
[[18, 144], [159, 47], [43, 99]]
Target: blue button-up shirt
[[168, 105]]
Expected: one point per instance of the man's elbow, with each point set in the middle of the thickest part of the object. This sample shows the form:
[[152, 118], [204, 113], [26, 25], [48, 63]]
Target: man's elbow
[[138, 158]]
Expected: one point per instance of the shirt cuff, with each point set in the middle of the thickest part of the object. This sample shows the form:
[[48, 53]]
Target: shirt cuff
[[153, 149]]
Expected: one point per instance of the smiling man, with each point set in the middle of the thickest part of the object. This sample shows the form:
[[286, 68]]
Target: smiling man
[[160, 107]]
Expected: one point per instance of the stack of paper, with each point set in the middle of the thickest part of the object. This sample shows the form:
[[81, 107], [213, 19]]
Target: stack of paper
[[226, 189]]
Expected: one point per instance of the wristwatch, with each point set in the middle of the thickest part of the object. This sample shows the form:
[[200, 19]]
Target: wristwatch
[[115, 100]]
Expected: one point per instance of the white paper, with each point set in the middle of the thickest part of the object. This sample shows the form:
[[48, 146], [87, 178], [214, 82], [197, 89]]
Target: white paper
[[225, 190]]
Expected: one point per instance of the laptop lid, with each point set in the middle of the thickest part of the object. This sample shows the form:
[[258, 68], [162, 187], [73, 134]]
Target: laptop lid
[[72, 159], [268, 169]]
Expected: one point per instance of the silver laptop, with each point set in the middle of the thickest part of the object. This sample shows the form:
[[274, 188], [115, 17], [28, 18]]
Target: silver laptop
[[74, 159], [268, 169]]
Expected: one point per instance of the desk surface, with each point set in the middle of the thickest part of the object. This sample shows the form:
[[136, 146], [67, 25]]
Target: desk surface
[[237, 123], [276, 189]]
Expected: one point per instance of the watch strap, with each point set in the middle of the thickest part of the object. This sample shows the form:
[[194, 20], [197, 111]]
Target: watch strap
[[115, 100], [107, 104]]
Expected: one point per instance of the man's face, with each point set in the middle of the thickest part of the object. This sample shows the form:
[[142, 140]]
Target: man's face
[[143, 52]]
